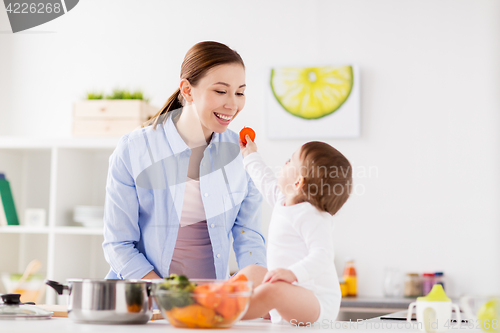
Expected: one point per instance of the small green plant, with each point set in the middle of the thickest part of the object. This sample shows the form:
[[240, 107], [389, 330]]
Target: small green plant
[[95, 95], [126, 94], [118, 94]]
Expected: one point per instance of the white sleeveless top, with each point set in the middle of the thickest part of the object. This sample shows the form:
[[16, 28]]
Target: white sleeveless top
[[192, 207], [193, 255]]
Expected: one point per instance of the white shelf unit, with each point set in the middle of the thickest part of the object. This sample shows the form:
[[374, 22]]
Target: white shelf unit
[[56, 175]]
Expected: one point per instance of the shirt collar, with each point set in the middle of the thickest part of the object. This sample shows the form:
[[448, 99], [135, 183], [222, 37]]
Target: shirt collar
[[176, 142]]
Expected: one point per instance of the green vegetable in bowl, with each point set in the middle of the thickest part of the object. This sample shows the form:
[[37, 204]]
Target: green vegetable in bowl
[[179, 295], [134, 296]]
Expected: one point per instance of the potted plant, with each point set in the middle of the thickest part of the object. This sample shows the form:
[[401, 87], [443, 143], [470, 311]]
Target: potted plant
[[111, 115]]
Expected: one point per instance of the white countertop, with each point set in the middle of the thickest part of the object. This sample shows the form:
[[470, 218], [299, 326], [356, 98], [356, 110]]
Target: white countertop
[[59, 325], [376, 302]]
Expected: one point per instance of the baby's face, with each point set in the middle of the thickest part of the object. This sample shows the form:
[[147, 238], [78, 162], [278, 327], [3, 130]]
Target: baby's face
[[290, 174]]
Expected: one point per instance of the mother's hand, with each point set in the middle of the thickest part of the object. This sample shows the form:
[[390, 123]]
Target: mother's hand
[[151, 275]]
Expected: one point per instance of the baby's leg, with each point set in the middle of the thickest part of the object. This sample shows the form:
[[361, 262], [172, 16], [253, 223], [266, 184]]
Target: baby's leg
[[291, 301], [254, 273]]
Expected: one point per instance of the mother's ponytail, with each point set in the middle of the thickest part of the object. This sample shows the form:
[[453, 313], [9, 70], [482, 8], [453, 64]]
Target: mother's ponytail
[[173, 102], [198, 60]]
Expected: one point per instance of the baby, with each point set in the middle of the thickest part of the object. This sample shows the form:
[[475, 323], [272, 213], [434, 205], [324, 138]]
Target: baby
[[301, 285]]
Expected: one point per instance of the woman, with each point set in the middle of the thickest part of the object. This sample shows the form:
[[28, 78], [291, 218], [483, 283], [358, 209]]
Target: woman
[[177, 190]]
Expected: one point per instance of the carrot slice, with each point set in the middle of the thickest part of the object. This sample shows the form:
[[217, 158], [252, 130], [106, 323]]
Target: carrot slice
[[237, 277], [228, 307], [219, 297], [242, 301], [207, 295]]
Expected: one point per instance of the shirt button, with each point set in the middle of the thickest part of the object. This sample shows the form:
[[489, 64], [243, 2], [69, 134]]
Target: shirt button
[[218, 255], [206, 194], [212, 225]]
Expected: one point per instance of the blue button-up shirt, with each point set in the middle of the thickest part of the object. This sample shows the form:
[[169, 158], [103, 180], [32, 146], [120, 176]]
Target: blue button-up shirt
[[144, 195]]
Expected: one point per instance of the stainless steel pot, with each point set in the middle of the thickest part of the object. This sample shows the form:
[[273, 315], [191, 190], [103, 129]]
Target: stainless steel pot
[[107, 301]]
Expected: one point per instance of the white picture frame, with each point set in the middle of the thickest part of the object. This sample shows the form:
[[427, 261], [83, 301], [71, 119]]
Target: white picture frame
[[342, 123]]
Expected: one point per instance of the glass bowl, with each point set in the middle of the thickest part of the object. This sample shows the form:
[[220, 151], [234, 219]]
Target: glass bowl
[[30, 290], [212, 303]]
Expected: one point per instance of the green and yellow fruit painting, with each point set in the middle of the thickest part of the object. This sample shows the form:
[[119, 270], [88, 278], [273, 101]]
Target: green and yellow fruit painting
[[312, 92]]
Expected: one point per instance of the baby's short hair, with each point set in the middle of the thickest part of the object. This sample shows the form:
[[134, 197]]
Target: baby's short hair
[[327, 176]]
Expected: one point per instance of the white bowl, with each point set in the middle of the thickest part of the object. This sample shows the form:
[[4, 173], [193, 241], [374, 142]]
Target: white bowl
[[89, 216]]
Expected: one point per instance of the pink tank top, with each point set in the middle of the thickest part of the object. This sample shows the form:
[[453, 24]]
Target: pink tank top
[[193, 255]]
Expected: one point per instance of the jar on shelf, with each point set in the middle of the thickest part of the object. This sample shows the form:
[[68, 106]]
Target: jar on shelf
[[350, 278], [413, 285], [427, 282], [393, 282], [343, 287], [439, 278]]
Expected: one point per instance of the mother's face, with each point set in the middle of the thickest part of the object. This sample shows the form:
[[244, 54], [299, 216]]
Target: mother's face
[[219, 96]]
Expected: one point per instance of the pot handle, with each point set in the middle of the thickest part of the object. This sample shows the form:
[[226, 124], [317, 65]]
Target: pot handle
[[59, 288]]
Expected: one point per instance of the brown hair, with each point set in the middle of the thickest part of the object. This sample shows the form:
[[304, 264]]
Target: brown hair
[[327, 176], [198, 60]]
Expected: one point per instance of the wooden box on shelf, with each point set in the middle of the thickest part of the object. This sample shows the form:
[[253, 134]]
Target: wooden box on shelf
[[110, 118]]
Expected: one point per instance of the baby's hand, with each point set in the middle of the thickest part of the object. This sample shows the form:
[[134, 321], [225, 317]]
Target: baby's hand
[[279, 274], [249, 148]]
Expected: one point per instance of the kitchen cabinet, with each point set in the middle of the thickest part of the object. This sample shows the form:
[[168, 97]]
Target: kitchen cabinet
[[55, 175]]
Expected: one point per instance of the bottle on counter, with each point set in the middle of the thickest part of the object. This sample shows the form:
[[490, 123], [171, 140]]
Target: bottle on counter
[[413, 285], [350, 278], [427, 282], [439, 278], [343, 287]]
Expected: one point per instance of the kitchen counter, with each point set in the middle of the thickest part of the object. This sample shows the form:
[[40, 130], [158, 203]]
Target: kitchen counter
[[60, 325], [376, 302], [354, 308]]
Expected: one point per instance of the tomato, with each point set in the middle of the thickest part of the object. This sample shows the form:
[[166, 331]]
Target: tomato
[[247, 131]]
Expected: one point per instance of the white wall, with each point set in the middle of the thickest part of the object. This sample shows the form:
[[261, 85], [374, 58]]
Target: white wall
[[429, 95]]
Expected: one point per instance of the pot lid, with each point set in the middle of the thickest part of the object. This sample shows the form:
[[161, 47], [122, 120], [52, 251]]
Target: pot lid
[[12, 308]]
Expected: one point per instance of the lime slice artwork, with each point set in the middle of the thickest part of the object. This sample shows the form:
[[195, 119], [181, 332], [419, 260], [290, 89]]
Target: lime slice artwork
[[312, 92]]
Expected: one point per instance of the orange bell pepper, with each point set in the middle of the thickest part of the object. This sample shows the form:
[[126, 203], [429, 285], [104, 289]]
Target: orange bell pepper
[[194, 315], [219, 297]]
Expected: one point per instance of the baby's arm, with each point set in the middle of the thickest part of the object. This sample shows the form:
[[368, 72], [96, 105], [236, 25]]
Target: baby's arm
[[262, 175]]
